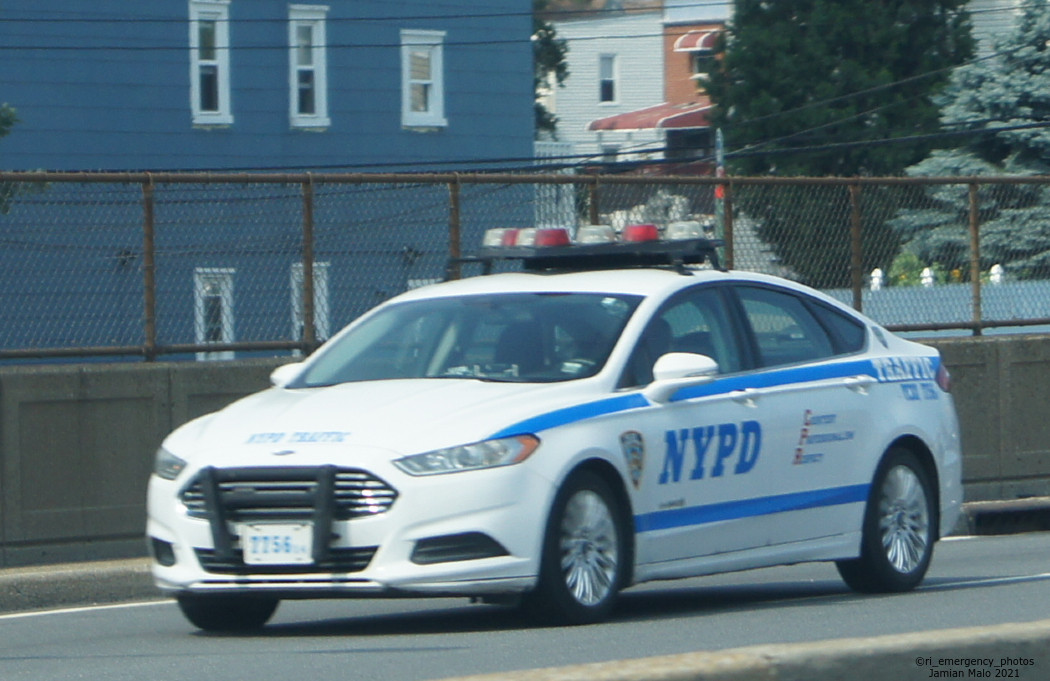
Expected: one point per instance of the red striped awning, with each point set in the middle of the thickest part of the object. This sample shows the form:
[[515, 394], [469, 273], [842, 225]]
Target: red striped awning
[[665, 116], [696, 41]]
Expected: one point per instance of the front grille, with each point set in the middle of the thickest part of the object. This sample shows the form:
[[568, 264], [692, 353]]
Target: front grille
[[317, 495], [287, 493], [353, 559]]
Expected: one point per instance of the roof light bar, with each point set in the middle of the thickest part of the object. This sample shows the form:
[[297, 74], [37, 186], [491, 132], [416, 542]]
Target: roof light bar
[[595, 248]]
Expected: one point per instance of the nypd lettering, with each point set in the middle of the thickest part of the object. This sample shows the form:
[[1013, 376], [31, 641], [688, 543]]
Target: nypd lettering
[[711, 451], [892, 369], [319, 437]]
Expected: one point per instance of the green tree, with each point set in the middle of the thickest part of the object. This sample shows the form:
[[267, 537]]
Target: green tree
[[7, 119], [817, 88], [548, 59], [1002, 105], [7, 189]]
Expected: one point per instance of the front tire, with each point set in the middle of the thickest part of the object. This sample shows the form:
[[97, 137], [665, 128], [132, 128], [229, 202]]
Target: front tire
[[899, 530], [227, 612], [582, 568]]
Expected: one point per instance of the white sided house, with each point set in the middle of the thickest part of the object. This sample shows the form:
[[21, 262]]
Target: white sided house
[[615, 67], [635, 85]]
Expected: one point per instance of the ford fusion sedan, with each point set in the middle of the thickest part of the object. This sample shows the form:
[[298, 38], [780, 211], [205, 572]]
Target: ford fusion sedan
[[609, 415]]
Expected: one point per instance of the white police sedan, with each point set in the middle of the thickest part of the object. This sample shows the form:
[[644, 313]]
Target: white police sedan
[[555, 435]]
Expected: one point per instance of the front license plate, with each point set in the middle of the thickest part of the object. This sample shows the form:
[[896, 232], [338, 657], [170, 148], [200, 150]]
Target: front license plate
[[277, 544]]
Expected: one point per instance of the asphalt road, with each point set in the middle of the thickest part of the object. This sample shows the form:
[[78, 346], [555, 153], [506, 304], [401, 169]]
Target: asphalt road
[[973, 582]]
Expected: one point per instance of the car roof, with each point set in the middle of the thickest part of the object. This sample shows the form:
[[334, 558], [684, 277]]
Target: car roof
[[646, 282]]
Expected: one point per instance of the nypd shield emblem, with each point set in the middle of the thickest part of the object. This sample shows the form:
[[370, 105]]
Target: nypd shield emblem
[[634, 452]]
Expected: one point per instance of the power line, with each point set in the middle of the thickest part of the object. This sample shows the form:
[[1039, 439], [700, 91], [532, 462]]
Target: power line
[[911, 139], [549, 14], [590, 160], [754, 150], [331, 20]]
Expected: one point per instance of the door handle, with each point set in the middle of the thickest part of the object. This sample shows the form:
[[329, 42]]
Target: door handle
[[745, 397], [859, 384]]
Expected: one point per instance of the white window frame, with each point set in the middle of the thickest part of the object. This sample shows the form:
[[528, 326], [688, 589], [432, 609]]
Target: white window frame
[[322, 318], [217, 11], [613, 79], [699, 59], [204, 278], [312, 17], [433, 42]]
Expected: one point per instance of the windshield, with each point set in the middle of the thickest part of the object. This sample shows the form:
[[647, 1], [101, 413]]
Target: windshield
[[527, 337]]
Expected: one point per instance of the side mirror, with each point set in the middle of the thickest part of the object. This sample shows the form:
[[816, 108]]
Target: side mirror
[[285, 374], [677, 370]]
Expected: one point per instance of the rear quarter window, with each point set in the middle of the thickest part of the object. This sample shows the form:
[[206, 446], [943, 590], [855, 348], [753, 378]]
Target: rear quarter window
[[850, 334], [784, 328]]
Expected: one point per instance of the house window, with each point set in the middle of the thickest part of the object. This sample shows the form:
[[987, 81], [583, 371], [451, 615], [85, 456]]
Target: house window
[[422, 79], [308, 78], [607, 78], [322, 324], [213, 309], [210, 62], [690, 144], [703, 63]]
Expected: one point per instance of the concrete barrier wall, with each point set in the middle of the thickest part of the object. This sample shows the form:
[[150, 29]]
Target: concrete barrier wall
[[77, 441], [1001, 386], [77, 445]]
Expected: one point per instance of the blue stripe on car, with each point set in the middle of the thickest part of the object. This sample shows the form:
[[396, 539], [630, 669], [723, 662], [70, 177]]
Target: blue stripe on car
[[621, 403], [579, 412], [772, 379], [749, 508]]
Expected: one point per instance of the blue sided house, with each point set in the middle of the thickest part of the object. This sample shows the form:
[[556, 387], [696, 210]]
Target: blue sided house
[[246, 86]]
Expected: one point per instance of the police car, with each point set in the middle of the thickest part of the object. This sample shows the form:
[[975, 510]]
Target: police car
[[611, 414]]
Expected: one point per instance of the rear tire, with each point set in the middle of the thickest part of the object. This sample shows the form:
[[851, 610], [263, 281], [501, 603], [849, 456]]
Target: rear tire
[[582, 568], [900, 523], [227, 612]]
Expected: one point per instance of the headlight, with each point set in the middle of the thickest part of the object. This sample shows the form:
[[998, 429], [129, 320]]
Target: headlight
[[167, 465], [488, 454]]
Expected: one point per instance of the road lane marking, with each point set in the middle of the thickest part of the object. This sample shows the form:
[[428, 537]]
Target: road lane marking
[[85, 608], [985, 581]]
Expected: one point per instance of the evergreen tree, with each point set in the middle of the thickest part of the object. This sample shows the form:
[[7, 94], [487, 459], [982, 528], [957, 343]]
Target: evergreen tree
[[813, 73], [548, 59], [816, 88], [1002, 104], [7, 189], [7, 119]]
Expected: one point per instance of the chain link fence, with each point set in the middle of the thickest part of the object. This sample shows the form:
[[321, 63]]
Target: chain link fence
[[213, 266]]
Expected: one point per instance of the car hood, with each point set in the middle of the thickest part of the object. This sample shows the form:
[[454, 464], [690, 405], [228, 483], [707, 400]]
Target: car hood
[[397, 416]]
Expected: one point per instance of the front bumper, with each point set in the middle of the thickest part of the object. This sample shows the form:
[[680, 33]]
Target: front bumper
[[472, 533]]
